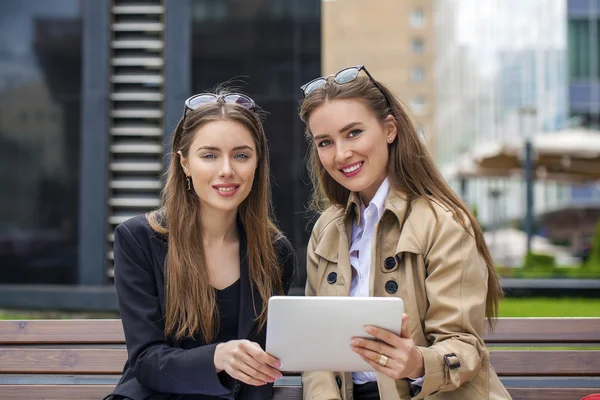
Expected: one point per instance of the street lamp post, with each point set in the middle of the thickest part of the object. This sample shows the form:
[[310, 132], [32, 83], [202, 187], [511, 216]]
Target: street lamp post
[[495, 194], [528, 170]]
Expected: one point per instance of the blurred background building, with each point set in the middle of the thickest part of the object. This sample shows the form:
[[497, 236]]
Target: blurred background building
[[495, 61], [397, 46], [496, 58], [583, 41], [90, 91]]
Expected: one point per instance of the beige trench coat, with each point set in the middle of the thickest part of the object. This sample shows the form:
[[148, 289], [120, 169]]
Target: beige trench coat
[[434, 266]]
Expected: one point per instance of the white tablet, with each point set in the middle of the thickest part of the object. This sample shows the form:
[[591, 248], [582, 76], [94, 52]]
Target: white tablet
[[313, 333]]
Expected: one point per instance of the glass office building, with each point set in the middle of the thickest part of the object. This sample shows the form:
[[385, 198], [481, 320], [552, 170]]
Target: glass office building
[[90, 92]]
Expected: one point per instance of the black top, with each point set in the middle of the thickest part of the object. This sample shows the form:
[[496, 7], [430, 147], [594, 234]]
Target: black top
[[159, 365], [228, 303]]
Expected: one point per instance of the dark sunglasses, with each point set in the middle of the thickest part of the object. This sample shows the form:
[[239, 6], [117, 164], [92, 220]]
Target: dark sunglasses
[[343, 76], [199, 100]]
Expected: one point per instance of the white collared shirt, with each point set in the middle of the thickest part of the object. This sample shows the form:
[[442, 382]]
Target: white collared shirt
[[360, 259], [360, 255]]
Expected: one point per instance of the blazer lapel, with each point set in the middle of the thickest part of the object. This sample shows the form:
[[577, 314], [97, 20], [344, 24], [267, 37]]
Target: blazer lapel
[[160, 247], [250, 301], [159, 252]]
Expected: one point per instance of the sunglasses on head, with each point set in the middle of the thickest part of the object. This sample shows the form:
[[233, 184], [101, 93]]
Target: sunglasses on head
[[199, 100], [343, 76]]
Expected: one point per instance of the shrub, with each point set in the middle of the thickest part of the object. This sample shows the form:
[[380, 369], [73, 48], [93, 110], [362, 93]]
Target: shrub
[[536, 260], [593, 261]]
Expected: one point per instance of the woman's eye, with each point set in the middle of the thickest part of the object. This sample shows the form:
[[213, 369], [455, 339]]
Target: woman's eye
[[324, 143], [209, 155], [355, 133], [241, 156]]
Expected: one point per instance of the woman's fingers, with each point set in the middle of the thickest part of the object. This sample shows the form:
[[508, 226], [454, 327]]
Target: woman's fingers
[[261, 370], [243, 377], [256, 352], [250, 361], [387, 371], [374, 346], [385, 336], [242, 366], [404, 330], [366, 353]]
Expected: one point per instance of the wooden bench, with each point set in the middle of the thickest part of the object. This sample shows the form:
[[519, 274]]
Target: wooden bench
[[83, 359]]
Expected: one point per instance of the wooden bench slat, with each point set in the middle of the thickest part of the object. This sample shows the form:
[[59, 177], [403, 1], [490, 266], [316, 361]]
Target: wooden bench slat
[[87, 347], [62, 361], [54, 392], [546, 362], [544, 330], [551, 393], [72, 331], [287, 393], [110, 361], [507, 330]]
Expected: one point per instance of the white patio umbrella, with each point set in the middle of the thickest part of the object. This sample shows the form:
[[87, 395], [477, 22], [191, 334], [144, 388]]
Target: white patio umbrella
[[569, 155], [467, 168]]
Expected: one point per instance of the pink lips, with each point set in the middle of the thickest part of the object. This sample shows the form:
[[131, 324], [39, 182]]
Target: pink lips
[[355, 172], [226, 190]]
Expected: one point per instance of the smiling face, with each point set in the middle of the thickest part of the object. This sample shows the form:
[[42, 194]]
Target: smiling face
[[352, 144], [221, 162]]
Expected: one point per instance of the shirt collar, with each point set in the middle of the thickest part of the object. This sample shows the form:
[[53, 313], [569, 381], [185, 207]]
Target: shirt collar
[[378, 201], [380, 196]]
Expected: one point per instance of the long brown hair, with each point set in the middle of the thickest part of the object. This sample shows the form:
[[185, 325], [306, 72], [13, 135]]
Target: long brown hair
[[411, 168], [190, 299]]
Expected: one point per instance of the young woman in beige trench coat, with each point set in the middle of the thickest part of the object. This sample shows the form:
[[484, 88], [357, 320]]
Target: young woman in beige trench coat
[[393, 227]]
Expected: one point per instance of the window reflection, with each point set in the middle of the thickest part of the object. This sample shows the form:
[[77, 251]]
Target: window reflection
[[40, 75]]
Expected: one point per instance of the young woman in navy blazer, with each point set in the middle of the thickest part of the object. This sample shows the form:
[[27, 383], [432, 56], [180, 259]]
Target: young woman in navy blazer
[[193, 278]]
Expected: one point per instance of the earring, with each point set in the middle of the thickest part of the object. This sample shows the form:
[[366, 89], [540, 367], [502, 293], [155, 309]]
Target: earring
[[390, 139], [189, 183]]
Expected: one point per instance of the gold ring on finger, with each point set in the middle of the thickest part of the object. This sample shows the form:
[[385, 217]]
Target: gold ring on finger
[[383, 359]]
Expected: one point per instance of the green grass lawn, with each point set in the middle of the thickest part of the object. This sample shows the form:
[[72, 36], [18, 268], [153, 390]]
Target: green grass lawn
[[29, 314], [511, 307], [549, 307]]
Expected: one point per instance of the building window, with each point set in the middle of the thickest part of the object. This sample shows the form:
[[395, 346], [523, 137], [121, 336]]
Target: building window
[[40, 74], [417, 18], [299, 10], [417, 74], [417, 45], [579, 49], [417, 105], [207, 10]]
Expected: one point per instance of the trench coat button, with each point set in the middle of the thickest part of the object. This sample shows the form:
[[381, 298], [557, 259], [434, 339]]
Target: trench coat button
[[389, 263], [332, 278], [338, 380], [391, 287]]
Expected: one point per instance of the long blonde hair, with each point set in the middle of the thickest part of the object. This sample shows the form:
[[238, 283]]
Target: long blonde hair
[[411, 168], [190, 299]]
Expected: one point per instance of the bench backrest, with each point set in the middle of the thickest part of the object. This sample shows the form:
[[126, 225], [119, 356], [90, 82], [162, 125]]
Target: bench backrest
[[84, 358]]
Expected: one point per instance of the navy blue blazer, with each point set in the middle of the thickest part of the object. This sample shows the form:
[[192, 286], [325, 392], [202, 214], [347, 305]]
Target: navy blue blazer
[[162, 365]]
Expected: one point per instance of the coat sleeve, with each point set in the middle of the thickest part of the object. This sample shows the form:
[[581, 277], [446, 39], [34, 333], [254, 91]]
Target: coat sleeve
[[152, 360], [317, 385], [456, 286]]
